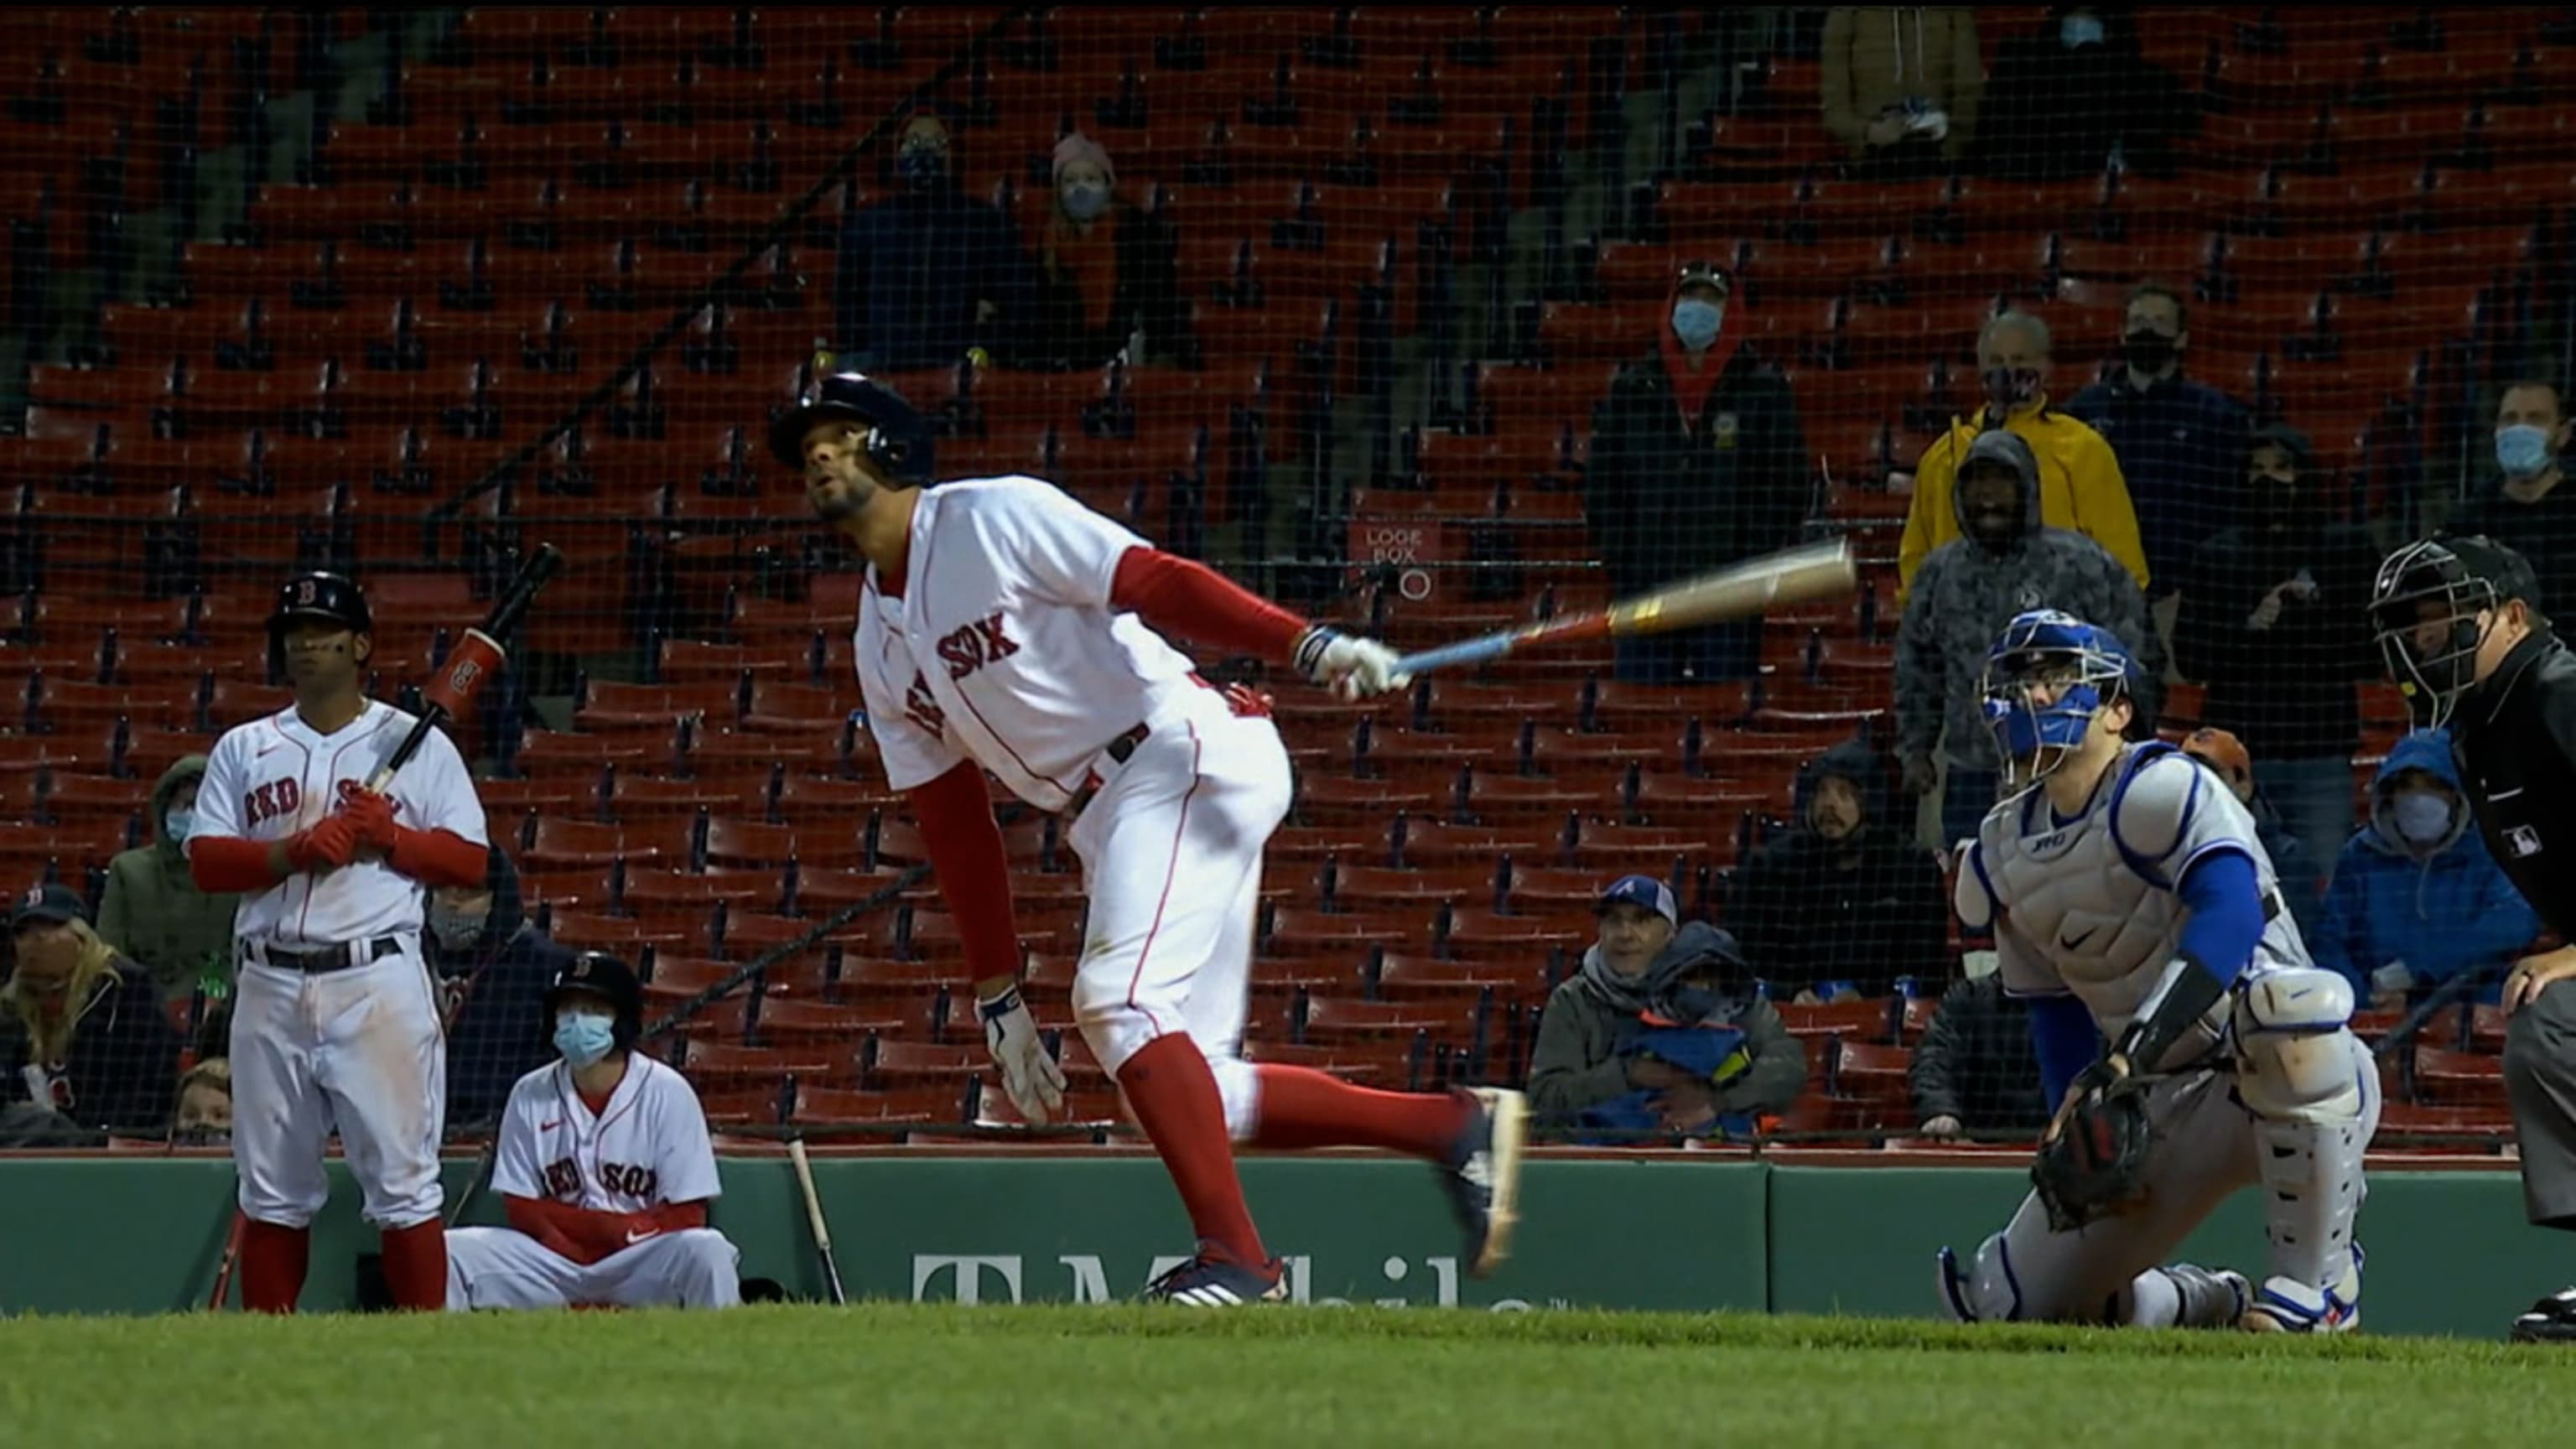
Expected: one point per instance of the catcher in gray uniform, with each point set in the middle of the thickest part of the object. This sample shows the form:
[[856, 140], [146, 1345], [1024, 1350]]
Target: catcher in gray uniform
[[2132, 905]]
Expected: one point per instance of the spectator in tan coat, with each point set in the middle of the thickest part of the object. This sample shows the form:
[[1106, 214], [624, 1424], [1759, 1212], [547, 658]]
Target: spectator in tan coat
[[1902, 84]]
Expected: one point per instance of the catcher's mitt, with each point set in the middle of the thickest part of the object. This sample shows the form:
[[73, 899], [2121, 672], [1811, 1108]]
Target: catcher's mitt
[[2095, 1164]]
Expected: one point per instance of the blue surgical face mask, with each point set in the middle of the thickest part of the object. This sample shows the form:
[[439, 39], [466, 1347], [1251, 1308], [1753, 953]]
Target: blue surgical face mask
[[1084, 200], [1695, 322], [2080, 30], [582, 1037], [178, 822], [2422, 817], [2523, 450]]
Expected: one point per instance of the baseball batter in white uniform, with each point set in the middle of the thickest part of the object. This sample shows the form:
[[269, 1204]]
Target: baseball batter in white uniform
[[606, 1170], [2129, 897], [1003, 626], [335, 1021]]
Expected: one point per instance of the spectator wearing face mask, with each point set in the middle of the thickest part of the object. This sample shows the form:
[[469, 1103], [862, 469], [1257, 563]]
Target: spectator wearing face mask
[[205, 1105], [2078, 94], [1901, 85], [1844, 902], [1698, 460], [84, 1032], [2275, 623], [2416, 898], [1107, 286], [2080, 486], [494, 965], [152, 911], [2007, 562], [2180, 443], [2528, 511], [928, 272]]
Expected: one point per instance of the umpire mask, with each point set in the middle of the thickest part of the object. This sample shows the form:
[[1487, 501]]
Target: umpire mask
[[2432, 606]]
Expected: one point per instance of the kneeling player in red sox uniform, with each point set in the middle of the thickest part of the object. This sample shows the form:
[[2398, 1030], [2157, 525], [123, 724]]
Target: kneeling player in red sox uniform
[[606, 1168], [335, 1018], [1003, 626]]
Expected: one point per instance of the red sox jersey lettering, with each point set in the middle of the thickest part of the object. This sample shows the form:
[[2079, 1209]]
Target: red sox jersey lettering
[[923, 709], [271, 799], [971, 646]]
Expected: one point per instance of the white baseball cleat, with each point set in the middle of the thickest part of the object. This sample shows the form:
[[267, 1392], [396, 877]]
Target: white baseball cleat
[[2286, 1305]]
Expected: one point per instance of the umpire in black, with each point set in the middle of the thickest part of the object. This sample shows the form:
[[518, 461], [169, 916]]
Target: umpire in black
[[2459, 621]]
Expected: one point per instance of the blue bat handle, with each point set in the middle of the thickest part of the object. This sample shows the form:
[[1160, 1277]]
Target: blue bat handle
[[1469, 651]]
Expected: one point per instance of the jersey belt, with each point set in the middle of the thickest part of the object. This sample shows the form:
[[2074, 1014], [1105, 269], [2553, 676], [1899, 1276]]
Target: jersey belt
[[323, 959]]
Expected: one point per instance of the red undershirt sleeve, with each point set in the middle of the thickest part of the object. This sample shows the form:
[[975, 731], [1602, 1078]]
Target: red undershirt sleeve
[[1178, 596], [564, 1229], [439, 857], [956, 819], [228, 865]]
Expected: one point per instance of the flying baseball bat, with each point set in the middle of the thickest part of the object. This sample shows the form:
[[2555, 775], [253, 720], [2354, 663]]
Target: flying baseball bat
[[1739, 591], [814, 1219], [475, 659], [224, 1267]]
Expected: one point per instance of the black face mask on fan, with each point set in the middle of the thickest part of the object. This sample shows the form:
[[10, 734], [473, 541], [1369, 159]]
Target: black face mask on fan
[[2149, 353]]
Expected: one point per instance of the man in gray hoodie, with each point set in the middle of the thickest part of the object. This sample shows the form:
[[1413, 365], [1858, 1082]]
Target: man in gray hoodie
[[2004, 563], [1648, 971]]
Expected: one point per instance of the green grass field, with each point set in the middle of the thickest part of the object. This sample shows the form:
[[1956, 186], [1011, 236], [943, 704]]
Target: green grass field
[[1126, 1376]]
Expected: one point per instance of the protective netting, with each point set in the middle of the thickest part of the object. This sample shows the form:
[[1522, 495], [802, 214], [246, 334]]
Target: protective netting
[[1427, 321]]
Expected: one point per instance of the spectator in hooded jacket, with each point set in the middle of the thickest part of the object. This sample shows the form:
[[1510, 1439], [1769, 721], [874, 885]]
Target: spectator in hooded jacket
[[1845, 902], [496, 966], [929, 272], [1974, 1071], [2275, 622], [2006, 562], [84, 1032], [152, 911], [1902, 84], [1107, 285], [1605, 1057], [1697, 461], [2181, 443], [2416, 899], [2301, 875], [2070, 97], [2080, 486]]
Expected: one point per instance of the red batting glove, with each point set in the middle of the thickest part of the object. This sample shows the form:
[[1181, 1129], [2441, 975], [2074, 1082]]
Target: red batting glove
[[333, 843], [373, 817]]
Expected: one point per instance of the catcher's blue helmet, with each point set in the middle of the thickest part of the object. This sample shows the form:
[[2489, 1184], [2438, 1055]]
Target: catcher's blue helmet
[[2084, 666]]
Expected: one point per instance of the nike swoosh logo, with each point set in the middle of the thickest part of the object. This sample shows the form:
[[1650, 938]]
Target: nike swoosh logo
[[633, 1238], [550, 1126], [267, 750], [2078, 943]]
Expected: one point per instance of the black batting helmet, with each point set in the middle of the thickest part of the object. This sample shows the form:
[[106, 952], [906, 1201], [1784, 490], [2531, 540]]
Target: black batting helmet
[[320, 598], [608, 978], [898, 437]]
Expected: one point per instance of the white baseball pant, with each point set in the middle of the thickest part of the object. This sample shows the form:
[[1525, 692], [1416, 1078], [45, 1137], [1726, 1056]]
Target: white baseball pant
[[505, 1268], [359, 1050], [1171, 853]]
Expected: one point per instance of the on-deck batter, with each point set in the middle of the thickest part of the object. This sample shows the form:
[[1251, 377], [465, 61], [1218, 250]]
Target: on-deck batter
[[1003, 626], [606, 1170], [2128, 895], [335, 1020]]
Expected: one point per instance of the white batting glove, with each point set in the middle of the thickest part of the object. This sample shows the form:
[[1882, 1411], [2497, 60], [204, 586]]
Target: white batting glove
[[1031, 1077], [1350, 666]]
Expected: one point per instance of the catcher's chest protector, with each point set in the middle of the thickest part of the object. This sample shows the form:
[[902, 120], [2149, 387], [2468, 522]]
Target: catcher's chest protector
[[2089, 910]]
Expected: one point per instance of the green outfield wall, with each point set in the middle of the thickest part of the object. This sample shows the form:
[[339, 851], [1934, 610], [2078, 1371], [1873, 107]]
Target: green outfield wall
[[2450, 1252]]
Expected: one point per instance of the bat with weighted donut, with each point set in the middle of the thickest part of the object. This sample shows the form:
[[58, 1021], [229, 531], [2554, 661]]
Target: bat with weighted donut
[[475, 659]]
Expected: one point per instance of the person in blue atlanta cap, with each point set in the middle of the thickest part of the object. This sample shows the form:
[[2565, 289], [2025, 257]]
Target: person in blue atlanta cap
[[1662, 1030]]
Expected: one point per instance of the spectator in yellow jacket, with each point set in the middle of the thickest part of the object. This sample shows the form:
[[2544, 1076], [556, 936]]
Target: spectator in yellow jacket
[[2080, 487]]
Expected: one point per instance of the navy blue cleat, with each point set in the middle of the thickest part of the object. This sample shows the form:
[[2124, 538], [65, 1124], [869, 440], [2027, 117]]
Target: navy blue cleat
[[1482, 1176], [1213, 1281]]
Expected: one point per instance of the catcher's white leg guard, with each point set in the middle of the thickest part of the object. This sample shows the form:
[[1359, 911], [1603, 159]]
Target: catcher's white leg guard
[[2315, 1098], [1987, 1292], [2182, 1295]]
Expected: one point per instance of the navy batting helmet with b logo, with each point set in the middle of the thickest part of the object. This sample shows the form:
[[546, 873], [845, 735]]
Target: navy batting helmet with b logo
[[898, 438], [597, 973], [322, 597]]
